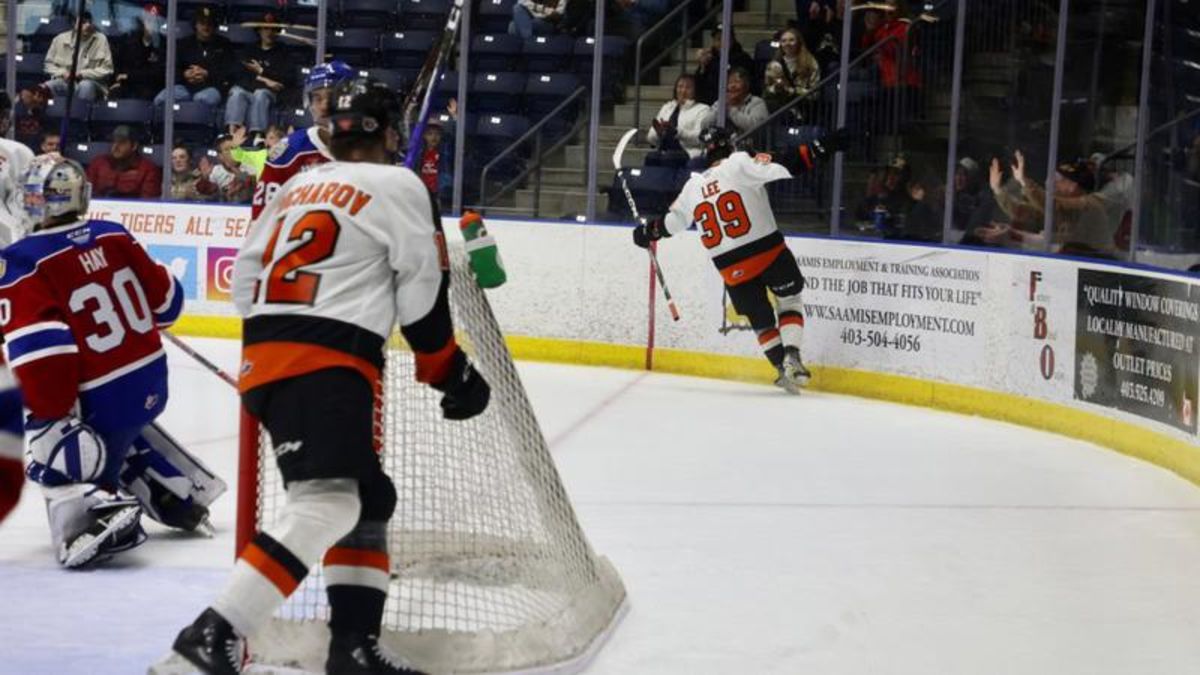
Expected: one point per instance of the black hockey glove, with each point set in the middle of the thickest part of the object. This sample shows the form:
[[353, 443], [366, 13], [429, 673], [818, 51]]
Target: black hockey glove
[[648, 231], [466, 393], [834, 141]]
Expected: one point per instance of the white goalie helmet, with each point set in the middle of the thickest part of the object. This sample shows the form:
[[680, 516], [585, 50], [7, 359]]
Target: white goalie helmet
[[54, 186]]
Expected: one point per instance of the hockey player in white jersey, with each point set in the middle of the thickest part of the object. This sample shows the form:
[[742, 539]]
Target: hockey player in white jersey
[[14, 160], [729, 205], [343, 252]]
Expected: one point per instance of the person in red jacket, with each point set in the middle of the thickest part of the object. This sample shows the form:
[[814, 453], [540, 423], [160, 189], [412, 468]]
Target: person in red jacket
[[124, 172]]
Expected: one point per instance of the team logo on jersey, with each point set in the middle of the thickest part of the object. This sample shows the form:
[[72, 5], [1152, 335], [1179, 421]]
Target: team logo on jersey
[[80, 235], [278, 150]]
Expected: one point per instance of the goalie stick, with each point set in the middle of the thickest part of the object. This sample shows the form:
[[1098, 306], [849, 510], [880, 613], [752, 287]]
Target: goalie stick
[[637, 216], [420, 97]]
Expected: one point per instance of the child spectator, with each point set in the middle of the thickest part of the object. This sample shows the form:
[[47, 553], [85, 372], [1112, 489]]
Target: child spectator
[[51, 143], [124, 172], [95, 61]]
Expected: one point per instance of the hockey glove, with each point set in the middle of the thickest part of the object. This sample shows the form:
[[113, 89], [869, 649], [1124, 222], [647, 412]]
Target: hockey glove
[[648, 231], [465, 392], [832, 142]]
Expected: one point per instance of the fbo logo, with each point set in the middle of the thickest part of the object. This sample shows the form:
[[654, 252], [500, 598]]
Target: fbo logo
[[1041, 327]]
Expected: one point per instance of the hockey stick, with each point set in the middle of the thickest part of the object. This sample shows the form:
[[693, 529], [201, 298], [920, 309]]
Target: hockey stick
[[199, 358], [637, 216], [420, 97]]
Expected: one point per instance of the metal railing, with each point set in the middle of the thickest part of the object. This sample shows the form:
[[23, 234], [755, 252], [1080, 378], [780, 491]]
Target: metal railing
[[534, 132], [681, 43]]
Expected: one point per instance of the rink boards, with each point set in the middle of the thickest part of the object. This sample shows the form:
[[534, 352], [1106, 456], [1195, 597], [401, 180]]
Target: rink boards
[[1105, 353]]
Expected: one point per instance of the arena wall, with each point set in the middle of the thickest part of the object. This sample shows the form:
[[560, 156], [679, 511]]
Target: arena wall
[[1102, 352]]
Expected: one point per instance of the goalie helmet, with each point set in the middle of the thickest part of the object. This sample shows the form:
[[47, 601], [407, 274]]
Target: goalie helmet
[[54, 186], [718, 144], [364, 107]]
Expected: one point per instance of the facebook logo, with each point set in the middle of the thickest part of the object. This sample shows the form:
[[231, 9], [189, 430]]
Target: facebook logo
[[181, 260]]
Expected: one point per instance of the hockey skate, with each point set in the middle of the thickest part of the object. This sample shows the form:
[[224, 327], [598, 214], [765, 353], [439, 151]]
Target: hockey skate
[[114, 525], [211, 645], [793, 367], [363, 655]]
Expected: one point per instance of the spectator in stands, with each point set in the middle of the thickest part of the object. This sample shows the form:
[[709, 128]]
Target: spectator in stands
[[51, 143], [436, 165], [536, 17], [95, 64], [187, 185], [921, 223], [972, 205], [234, 182], [898, 53], [819, 21], [262, 73], [124, 172], [30, 115], [708, 70], [254, 156], [792, 72], [888, 199], [677, 127], [1115, 190], [140, 60], [203, 63], [743, 109], [1080, 224]]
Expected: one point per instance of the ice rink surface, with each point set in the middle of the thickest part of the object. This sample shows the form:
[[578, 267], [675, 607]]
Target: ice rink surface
[[756, 533]]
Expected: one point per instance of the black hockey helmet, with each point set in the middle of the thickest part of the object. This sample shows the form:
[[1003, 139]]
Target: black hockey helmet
[[717, 142], [363, 106]]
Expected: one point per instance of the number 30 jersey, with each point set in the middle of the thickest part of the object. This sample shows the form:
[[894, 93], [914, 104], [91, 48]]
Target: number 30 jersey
[[729, 205], [81, 306], [342, 253]]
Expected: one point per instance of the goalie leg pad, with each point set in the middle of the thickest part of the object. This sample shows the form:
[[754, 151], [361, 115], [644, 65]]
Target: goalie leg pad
[[318, 513], [64, 451], [173, 486]]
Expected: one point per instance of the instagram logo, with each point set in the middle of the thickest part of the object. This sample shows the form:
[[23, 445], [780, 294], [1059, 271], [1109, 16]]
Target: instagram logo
[[220, 273]]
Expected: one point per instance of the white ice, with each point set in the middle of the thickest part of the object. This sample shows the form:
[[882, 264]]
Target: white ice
[[756, 533]]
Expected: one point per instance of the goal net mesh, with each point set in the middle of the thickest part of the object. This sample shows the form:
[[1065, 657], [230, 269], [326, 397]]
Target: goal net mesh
[[490, 569]]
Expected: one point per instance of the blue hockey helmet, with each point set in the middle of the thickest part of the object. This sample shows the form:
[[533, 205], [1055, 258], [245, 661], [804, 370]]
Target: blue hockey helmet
[[327, 75]]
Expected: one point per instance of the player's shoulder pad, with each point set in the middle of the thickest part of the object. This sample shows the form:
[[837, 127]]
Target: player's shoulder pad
[[286, 150]]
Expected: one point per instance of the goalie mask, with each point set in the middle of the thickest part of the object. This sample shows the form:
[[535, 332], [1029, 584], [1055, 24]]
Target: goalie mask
[[52, 187], [364, 107]]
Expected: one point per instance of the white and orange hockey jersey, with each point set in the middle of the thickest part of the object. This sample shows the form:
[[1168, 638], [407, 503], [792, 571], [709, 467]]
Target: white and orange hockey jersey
[[729, 205], [342, 253]]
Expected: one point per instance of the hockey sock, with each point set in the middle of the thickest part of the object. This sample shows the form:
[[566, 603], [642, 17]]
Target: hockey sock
[[356, 579], [317, 514], [771, 345], [791, 328]]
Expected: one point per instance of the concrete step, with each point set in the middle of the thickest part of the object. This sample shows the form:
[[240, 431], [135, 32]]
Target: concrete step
[[559, 177], [760, 20], [575, 156], [622, 115], [560, 203], [652, 92], [611, 133]]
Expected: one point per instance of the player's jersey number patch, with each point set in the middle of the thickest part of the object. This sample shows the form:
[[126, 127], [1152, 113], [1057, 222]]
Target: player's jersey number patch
[[287, 282], [725, 218], [130, 310]]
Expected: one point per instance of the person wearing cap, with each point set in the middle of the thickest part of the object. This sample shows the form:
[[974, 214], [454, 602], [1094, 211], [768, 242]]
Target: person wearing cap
[[708, 72], [203, 63], [262, 72], [124, 172], [140, 60], [1080, 224], [95, 64]]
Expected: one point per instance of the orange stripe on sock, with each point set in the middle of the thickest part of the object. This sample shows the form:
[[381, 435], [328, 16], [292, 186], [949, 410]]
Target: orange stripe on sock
[[270, 568], [768, 336], [791, 320], [356, 557]]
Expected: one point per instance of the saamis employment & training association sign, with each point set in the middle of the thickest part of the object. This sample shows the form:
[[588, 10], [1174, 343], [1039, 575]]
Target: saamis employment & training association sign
[[1136, 346]]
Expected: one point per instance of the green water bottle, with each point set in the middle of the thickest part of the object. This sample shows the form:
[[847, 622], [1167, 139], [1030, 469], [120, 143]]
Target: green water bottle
[[481, 247]]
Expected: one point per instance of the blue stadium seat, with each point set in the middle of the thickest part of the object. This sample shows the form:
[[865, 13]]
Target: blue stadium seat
[[304, 13], [377, 14], [494, 16], [547, 53], [497, 92], [77, 129], [544, 92], [355, 46], [240, 36], [406, 48], [84, 153], [48, 27], [108, 115], [614, 56], [396, 80], [493, 134], [30, 70], [154, 153], [495, 53], [652, 187], [249, 10], [424, 14], [297, 118], [195, 123]]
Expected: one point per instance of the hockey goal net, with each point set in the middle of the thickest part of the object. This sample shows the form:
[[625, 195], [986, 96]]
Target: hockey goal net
[[490, 569]]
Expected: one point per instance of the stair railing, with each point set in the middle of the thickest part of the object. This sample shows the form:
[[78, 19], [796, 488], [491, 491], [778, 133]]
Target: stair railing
[[539, 154]]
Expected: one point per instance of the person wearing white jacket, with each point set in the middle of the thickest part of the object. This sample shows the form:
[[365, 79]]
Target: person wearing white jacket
[[95, 62], [680, 121]]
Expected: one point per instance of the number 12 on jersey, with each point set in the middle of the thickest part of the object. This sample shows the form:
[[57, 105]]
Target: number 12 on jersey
[[287, 282], [726, 217]]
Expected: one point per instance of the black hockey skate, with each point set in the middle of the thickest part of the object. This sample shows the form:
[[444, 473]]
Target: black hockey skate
[[211, 645], [115, 527], [363, 655]]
